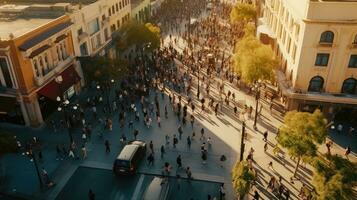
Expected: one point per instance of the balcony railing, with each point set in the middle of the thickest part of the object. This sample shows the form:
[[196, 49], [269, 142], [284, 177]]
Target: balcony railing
[[60, 65]]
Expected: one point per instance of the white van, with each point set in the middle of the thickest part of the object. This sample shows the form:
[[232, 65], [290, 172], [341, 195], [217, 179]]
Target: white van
[[157, 190]]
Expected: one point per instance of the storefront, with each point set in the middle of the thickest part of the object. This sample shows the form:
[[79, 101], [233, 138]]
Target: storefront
[[10, 110], [66, 85]]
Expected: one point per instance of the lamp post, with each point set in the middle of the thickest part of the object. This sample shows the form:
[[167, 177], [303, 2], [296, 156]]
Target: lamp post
[[34, 160], [63, 106], [242, 144], [257, 97]]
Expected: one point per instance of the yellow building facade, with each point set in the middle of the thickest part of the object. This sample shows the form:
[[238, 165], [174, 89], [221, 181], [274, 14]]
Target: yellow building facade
[[316, 42], [42, 65]]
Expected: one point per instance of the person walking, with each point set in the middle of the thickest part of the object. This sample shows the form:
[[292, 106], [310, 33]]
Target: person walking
[[347, 152], [192, 120], [179, 162], [189, 142], [202, 134], [175, 141], [265, 136], [84, 152], [162, 150], [188, 173], [265, 147], [136, 133], [270, 165], [151, 146], [107, 146], [180, 131], [159, 121], [256, 195], [151, 159]]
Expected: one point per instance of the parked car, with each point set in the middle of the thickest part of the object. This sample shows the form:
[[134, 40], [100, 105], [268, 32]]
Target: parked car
[[157, 190], [127, 162]]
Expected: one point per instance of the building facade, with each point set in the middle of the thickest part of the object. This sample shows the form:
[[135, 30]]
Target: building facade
[[141, 10], [94, 24], [316, 42], [38, 57]]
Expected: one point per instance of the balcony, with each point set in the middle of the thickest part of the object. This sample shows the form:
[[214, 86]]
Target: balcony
[[60, 65]]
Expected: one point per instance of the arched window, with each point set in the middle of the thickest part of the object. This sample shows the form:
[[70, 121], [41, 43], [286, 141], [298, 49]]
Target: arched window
[[327, 37], [316, 84], [349, 86]]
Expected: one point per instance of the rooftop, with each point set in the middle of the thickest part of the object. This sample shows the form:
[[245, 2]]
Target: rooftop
[[16, 20]]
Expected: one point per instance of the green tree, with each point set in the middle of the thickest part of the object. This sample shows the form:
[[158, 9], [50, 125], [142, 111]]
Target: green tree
[[334, 178], [7, 143], [140, 34], [301, 132], [242, 178], [100, 68], [253, 60], [243, 13]]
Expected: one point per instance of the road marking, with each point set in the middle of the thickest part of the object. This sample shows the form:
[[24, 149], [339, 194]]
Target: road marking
[[138, 187]]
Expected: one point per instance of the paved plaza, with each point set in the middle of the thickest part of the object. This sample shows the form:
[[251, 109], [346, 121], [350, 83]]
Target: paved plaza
[[74, 177]]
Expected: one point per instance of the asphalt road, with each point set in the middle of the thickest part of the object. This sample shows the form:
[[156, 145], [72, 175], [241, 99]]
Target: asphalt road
[[107, 186]]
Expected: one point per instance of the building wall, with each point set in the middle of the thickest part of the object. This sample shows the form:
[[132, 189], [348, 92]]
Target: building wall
[[23, 66], [337, 69], [111, 15]]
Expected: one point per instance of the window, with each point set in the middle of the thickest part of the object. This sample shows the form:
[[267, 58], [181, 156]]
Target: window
[[118, 23], [93, 26], [109, 12], [113, 9], [316, 84], [120, 5], [322, 59], [83, 48], [103, 17], [353, 61], [349, 86], [327, 37], [355, 40], [117, 7], [5, 72]]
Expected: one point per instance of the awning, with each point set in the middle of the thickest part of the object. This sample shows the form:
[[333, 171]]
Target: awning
[[53, 89], [265, 30], [7, 104]]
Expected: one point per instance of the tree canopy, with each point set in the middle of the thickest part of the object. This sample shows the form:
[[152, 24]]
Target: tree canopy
[[242, 178], [334, 178], [7, 143], [100, 68], [243, 13], [253, 60], [301, 133], [139, 34]]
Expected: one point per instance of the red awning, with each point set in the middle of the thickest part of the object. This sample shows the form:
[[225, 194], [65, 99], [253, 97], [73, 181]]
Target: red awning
[[53, 89], [7, 104]]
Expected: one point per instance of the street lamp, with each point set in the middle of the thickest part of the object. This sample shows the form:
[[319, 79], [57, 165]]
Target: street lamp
[[257, 87], [242, 144], [34, 160], [63, 105]]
